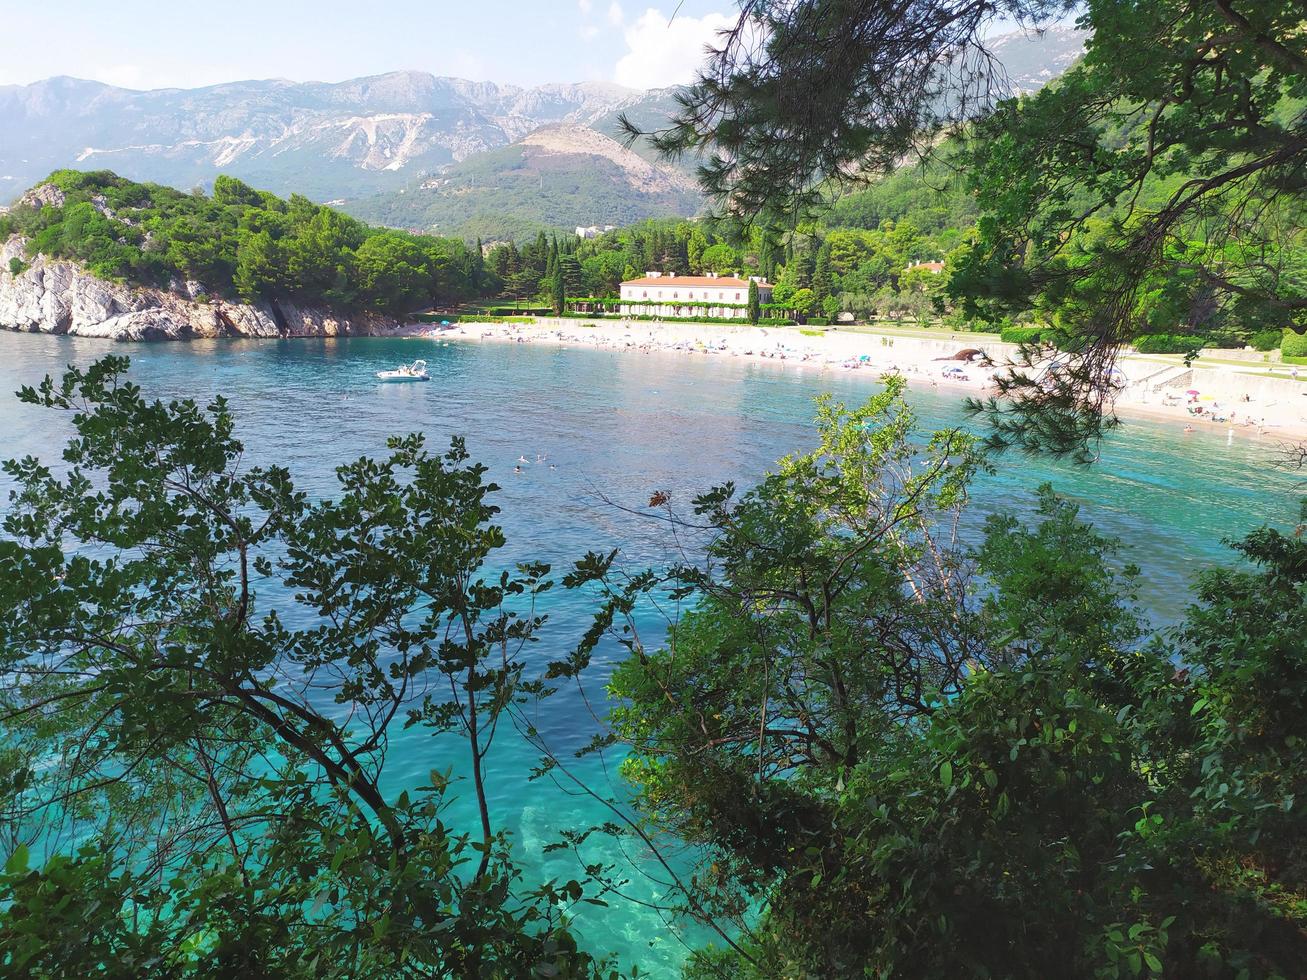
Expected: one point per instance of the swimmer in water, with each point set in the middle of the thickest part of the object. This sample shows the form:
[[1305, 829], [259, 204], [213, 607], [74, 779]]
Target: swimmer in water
[[1189, 428], [522, 459], [517, 469]]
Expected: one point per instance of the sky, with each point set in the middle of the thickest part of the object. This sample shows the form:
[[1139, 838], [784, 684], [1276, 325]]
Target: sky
[[180, 43]]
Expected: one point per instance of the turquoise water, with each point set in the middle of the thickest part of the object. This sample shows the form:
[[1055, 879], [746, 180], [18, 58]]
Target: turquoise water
[[622, 426]]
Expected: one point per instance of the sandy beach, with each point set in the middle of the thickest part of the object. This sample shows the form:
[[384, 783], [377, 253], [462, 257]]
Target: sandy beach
[[1240, 402]]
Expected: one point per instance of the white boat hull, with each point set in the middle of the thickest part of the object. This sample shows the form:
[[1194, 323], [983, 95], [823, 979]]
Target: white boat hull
[[417, 371]]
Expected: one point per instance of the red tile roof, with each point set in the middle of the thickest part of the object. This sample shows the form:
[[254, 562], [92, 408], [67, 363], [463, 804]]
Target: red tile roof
[[726, 282]]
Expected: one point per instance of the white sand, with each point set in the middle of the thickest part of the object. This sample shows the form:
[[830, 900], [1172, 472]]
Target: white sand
[[1237, 400]]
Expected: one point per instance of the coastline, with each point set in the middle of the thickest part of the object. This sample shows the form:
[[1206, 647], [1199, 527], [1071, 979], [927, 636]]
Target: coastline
[[1249, 406]]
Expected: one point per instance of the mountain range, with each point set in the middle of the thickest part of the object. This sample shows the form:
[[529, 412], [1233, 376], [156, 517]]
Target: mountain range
[[406, 148]]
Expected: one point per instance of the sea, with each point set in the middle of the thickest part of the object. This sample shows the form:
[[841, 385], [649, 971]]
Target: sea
[[611, 428]]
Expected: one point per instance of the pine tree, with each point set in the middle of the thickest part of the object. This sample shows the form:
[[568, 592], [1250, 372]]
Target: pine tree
[[478, 268], [541, 250], [573, 279], [558, 289], [755, 302], [823, 284], [767, 258], [805, 265]]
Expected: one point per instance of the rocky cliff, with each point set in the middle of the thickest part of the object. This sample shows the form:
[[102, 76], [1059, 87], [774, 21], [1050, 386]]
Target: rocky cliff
[[48, 295]]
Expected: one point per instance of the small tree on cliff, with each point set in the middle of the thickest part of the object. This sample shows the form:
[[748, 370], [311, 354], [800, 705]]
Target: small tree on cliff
[[755, 302]]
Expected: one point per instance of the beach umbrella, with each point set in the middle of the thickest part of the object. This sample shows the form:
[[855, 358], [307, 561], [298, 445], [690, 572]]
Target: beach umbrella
[[1192, 391], [444, 323]]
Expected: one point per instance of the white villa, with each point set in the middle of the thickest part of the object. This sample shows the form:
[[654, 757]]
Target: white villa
[[711, 296]]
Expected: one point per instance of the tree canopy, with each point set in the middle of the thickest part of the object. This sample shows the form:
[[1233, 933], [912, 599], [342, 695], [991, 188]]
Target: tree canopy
[[1158, 186], [191, 770], [242, 243], [919, 758]]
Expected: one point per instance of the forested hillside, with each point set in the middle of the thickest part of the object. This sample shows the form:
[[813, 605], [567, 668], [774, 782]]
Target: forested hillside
[[248, 244], [869, 256], [240, 243]]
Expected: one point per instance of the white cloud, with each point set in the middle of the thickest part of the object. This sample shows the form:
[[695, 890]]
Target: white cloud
[[615, 15], [585, 6], [589, 32], [661, 53]]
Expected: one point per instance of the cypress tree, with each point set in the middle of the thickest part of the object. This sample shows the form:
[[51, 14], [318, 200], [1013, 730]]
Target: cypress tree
[[541, 251], [557, 289], [823, 284], [478, 268], [755, 302]]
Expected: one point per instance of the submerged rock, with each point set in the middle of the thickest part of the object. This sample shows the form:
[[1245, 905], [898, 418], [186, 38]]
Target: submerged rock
[[49, 295]]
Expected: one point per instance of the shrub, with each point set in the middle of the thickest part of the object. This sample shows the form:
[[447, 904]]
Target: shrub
[[819, 321], [1294, 344], [1020, 335], [471, 318], [1167, 343], [17, 266], [1266, 340]]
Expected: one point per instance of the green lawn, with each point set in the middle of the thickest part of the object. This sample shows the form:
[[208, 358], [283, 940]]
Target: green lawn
[[929, 333]]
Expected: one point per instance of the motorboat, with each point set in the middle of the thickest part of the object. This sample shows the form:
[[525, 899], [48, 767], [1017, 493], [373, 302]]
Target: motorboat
[[417, 371]]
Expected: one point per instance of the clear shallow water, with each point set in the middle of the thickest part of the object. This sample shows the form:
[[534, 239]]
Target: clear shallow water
[[625, 425]]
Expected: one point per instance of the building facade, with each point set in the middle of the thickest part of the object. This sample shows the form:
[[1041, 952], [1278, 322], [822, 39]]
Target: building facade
[[711, 296]]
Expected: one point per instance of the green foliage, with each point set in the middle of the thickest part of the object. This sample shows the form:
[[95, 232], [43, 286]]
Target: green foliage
[[179, 728], [820, 266], [1154, 187], [1147, 191], [1293, 344], [242, 243], [17, 266], [1165, 343], [1265, 340], [472, 317], [1020, 335], [755, 302], [557, 285], [935, 762]]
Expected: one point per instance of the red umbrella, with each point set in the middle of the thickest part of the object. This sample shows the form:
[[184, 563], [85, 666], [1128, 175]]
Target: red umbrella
[[1192, 391]]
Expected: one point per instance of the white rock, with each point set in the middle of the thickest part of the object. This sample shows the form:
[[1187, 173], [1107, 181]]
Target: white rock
[[59, 296]]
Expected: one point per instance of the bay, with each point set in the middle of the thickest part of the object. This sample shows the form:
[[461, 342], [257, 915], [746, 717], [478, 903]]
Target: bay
[[612, 428]]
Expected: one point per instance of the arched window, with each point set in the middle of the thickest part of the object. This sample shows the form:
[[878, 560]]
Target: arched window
[[645, 294], [676, 295], [737, 297]]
